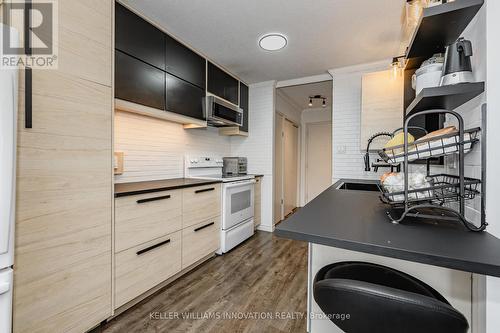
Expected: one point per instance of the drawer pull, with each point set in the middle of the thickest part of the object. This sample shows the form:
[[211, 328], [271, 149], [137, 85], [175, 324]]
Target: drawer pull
[[153, 199], [152, 247], [204, 226], [205, 190]]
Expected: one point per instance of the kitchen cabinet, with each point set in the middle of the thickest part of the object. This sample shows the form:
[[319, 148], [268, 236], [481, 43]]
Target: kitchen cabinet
[[257, 202], [140, 218], [222, 84], [141, 268], [200, 239], [139, 38], [159, 234], [185, 63], [138, 82], [184, 98], [62, 270], [200, 204], [244, 106]]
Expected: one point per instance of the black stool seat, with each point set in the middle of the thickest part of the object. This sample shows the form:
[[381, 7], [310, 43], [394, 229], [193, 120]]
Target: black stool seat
[[382, 299]]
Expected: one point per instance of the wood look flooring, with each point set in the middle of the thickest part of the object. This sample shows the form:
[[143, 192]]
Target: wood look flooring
[[259, 278]]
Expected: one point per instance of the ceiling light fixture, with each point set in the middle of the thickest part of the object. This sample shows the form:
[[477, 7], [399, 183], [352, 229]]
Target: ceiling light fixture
[[273, 42], [311, 98], [397, 64]]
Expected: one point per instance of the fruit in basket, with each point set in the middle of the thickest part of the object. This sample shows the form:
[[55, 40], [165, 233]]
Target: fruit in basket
[[399, 139]]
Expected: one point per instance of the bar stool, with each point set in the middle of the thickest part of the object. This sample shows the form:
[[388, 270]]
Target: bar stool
[[382, 299]]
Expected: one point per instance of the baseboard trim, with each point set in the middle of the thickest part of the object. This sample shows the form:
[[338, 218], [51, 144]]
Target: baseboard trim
[[265, 228]]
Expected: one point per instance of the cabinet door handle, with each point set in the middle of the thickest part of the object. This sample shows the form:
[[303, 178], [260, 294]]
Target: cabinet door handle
[[205, 190], [28, 75], [152, 247], [204, 226], [153, 199]]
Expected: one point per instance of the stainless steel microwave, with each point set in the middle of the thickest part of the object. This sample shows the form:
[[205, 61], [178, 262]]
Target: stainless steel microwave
[[220, 113]]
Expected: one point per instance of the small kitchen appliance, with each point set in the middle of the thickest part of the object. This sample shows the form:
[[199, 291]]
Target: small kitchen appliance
[[429, 73], [457, 66], [234, 166]]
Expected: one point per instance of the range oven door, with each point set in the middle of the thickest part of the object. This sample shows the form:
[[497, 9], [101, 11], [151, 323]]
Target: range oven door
[[238, 201]]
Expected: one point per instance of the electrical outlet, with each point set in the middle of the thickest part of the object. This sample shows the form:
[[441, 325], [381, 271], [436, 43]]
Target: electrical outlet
[[341, 149]]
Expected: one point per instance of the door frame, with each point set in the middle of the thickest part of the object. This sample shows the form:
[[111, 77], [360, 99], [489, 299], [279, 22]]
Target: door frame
[[306, 150], [280, 114]]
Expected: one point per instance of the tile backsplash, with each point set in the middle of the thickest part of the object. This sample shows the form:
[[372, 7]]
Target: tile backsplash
[[155, 149]]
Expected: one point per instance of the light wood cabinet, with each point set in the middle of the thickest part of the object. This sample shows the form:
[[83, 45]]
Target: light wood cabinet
[[200, 239], [140, 268], [62, 269], [140, 218], [200, 204], [159, 234], [257, 202]]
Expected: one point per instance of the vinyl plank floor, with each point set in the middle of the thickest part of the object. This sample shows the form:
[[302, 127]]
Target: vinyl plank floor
[[260, 287]]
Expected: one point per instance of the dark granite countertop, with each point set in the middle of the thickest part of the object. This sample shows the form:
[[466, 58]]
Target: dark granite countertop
[[123, 189], [357, 220]]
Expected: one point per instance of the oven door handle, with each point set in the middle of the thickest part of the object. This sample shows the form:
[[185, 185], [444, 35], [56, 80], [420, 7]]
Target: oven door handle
[[240, 184]]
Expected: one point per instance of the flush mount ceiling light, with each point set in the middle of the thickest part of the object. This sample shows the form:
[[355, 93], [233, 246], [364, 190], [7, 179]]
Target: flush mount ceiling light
[[273, 42]]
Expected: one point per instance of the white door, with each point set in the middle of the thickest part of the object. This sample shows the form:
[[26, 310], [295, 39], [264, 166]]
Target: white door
[[5, 300], [290, 162], [318, 158]]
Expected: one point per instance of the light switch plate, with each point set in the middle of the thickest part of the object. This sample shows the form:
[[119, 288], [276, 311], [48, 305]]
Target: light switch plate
[[341, 149]]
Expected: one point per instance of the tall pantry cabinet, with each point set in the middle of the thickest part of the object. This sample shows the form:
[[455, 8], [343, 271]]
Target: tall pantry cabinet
[[62, 269]]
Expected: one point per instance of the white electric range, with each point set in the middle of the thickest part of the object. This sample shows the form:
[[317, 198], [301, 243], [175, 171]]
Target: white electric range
[[237, 199]]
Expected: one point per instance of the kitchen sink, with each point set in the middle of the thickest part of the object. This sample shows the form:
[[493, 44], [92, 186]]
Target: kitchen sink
[[358, 187]]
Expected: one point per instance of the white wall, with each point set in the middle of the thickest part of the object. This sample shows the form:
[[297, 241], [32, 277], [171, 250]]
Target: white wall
[[258, 146], [347, 156], [155, 148], [286, 107], [313, 115], [493, 157]]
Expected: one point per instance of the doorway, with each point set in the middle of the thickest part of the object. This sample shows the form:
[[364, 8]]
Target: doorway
[[303, 118], [318, 158]]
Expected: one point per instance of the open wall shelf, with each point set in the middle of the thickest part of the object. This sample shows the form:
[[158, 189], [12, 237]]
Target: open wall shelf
[[446, 97], [440, 26]]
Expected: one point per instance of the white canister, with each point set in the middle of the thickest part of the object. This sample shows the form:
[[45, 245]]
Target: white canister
[[427, 76]]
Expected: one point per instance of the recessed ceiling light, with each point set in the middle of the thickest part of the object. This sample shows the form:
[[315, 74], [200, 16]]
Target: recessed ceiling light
[[273, 42]]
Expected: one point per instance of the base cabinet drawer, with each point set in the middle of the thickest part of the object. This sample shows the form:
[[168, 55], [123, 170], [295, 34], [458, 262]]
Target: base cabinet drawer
[[200, 240], [200, 204], [141, 218], [143, 267]]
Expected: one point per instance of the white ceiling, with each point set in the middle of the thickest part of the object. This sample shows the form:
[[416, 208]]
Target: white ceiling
[[299, 95], [322, 34]]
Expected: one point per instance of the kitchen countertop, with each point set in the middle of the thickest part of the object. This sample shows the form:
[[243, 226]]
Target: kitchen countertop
[[124, 189], [357, 220]]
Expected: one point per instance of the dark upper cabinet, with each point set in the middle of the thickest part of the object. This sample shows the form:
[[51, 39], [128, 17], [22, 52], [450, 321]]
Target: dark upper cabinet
[[184, 63], [138, 38], [244, 105], [222, 84], [184, 98], [138, 82]]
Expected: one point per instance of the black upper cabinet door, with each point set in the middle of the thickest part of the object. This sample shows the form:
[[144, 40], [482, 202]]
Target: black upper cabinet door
[[184, 98], [244, 105], [135, 36], [138, 82], [184, 63], [222, 84]]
